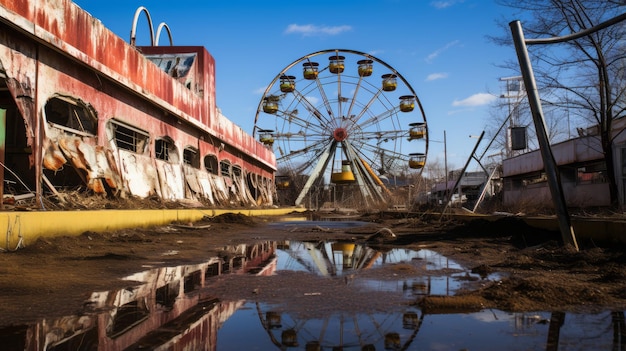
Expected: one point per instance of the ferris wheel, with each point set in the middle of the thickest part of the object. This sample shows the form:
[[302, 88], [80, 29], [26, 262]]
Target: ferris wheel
[[345, 118]]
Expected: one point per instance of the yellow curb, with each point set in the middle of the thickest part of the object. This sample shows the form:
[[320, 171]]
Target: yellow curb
[[23, 228]]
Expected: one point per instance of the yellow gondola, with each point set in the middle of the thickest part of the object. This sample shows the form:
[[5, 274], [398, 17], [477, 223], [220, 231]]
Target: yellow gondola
[[409, 320], [287, 84], [389, 82], [270, 104], [273, 319], [365, 68], [266, 137], [309, 70], [407, 103], [417, 131], [392, 341], [417, 160], [336, 64], [289, 338]]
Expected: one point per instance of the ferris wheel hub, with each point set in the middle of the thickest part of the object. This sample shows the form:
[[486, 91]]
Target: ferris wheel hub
[[340, 134]]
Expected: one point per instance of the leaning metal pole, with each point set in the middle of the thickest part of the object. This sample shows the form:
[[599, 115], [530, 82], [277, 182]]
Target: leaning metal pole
[[458, 180], [527, 73], [552, 172]]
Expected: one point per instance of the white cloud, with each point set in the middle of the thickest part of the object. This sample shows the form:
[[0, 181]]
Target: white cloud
[[312, 100], [260, 90], [308, 30], [435, 76], [438, 52], [475, 100], [456, 112], [442, 4]]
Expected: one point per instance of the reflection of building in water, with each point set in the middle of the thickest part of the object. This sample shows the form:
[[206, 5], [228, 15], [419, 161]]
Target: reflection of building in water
[[168, 308]]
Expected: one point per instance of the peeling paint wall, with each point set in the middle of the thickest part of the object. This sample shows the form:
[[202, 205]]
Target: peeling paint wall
[[53, 51]]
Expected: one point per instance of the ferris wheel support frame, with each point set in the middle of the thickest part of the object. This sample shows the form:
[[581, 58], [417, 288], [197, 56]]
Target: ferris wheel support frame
[[316, 173]]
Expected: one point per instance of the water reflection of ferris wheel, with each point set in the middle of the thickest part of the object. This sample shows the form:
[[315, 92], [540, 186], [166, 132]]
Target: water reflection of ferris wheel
[[342, 332], [342, 117], [391, 330]]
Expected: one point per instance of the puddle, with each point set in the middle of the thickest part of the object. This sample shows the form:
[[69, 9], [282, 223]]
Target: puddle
[[328, 223], [173, 308], [339, 258]]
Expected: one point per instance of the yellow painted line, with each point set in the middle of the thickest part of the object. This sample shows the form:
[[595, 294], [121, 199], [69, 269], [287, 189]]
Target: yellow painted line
[[26, 227]]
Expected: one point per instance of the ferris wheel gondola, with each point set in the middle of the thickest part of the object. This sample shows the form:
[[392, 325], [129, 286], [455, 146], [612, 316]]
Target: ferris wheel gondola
[[341, 117]]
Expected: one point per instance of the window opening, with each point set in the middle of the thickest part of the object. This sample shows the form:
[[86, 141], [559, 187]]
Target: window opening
[[236, 171], [167, 294], [225, 168], [130, 138], [190, 157], [210, 164], [593, 173], [192, 281], [165, 150], [72, 114]]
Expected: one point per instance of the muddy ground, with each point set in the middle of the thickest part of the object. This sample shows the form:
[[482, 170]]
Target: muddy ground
[[53, 277]]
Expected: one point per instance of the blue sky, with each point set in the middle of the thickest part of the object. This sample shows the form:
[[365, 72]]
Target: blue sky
[[439, 47]]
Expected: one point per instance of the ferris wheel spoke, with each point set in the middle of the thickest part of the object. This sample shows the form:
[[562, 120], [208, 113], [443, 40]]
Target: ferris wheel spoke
[[354, 95], [292, 118], [379, 158], [384, 160], [299, 152], [315, 158], [300, 136], [386, 115], [378, 150], [309, 107], [382, 135], [372, 100], [322, 92]]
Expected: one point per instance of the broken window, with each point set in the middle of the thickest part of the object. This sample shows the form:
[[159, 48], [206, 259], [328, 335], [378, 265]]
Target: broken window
[[592, 173], [130, 138], [190, 157], [127, 316], [225, 168], [164, 149], [167, 294], [72, 114], [212, 270], [236, 171], [192, 281], [210, 164]]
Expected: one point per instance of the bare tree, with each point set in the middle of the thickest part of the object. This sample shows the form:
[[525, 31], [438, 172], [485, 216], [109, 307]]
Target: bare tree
[[435, 170], [583, 76]]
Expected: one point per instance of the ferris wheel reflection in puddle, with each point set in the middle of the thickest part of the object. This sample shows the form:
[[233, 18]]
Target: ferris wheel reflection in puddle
[[394, 329]]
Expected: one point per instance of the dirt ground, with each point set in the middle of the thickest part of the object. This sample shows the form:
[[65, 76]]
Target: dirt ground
[[53, 277]]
